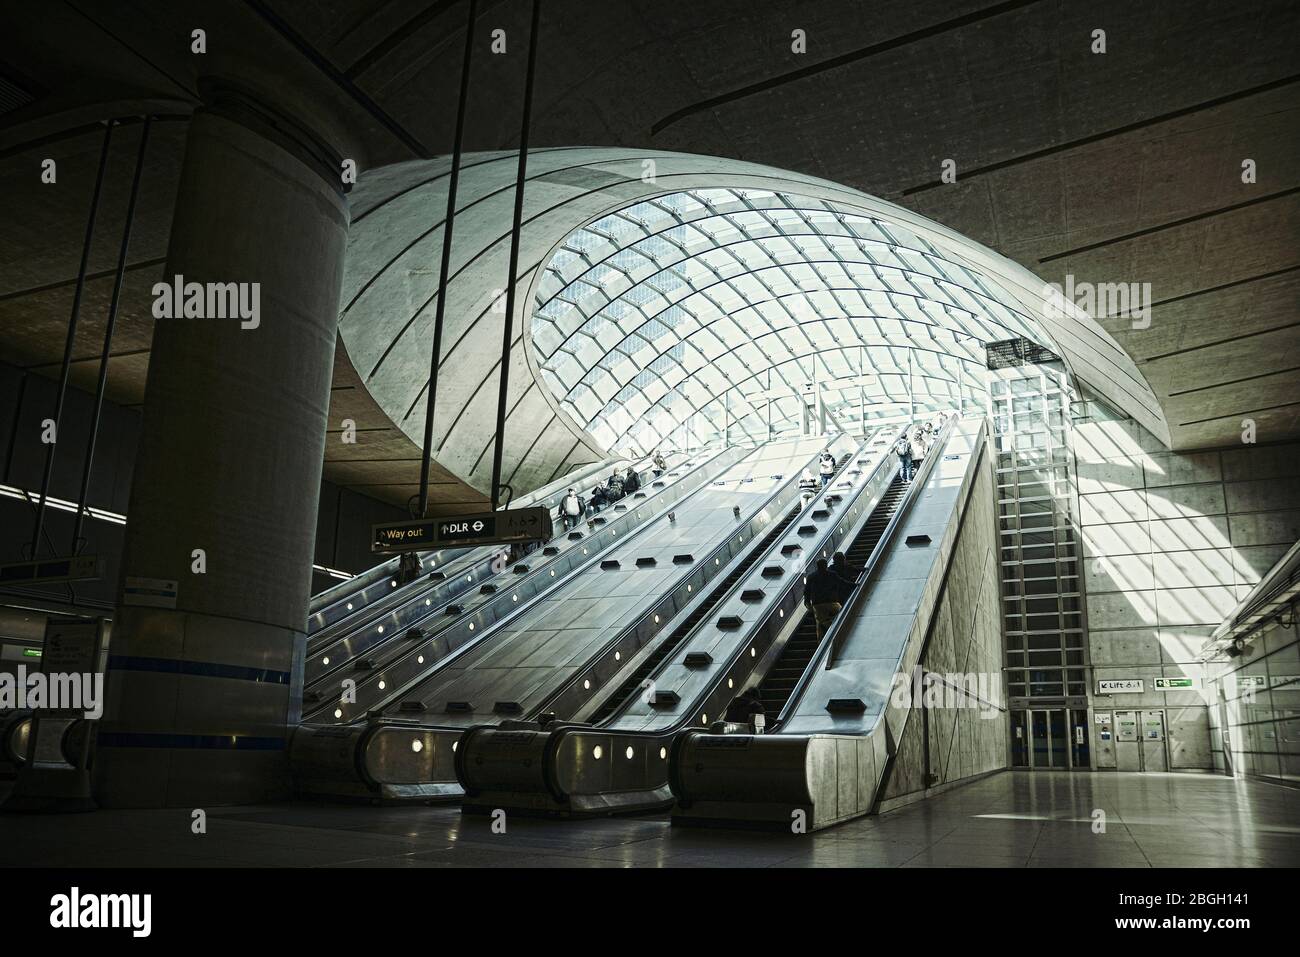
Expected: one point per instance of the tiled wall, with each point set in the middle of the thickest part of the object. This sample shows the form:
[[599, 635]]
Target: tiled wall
[[1171, 542]]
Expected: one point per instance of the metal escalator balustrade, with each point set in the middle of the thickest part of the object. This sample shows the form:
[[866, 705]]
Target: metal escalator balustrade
[[589, 635], [443, 575], [336, 603], [442, 636], [637, 679], [355, 642], [401, 756], [779, 682], [702, 610], [820, 741], [577, 769], [587, 688]]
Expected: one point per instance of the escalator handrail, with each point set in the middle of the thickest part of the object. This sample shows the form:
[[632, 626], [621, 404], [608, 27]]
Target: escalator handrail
[[332, 634], [532, 602], [388, 567], [705, 593], [826, 647], [795, 582]]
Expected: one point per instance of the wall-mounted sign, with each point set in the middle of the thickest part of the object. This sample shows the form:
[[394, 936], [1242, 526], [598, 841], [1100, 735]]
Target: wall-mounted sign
[[1251, 681], [488, 528], [77, 568], [1120, 686], [1102, 717], [151, 592], [1176, 684]]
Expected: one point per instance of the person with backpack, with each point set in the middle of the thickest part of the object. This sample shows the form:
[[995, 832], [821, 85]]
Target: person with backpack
[[846, 573], [919, 448], [659, 464], [903, 448], [822, 596], [614, 487], [572, 510], [826, 468]]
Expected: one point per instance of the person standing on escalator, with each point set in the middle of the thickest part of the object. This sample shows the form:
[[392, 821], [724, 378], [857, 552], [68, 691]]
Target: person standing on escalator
[[822, 595], [408, 568], [918, 448], [826, 468], [572, 509], [744, 706], [847, 574], [903, 449]]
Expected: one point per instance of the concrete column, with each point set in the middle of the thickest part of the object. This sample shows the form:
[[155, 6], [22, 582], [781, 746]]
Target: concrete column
[[202, 696]]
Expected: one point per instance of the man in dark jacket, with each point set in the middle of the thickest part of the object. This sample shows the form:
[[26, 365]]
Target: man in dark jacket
[[822, 595], [744, 706], [846, 573]]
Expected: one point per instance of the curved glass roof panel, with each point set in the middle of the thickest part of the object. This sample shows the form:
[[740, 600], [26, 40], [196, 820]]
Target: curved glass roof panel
[[724, 311]]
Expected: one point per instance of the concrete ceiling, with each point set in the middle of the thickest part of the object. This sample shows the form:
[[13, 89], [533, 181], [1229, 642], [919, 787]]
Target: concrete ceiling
[[1115, 167]]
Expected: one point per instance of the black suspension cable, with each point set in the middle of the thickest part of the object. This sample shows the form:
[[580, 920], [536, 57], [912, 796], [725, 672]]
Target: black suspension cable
[[114, 303], [72, 338], [506, 334], [441, 306]]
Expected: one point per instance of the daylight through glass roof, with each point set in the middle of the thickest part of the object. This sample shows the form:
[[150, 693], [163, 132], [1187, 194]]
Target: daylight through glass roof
[[737, 312]]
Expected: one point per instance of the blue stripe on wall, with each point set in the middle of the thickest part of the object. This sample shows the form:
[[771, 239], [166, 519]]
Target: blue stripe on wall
[[203, 669], [215, 742]]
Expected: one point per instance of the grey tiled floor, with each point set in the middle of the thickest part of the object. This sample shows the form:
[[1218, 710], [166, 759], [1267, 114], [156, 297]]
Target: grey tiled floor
[[1008, 820]]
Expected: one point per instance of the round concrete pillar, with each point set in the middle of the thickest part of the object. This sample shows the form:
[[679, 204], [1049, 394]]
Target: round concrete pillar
[[204, 680]]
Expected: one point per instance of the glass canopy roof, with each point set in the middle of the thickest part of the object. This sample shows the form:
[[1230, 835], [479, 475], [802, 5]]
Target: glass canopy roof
[[739, 312]]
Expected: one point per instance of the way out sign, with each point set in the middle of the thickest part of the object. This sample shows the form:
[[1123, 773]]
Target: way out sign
[[487, 528]]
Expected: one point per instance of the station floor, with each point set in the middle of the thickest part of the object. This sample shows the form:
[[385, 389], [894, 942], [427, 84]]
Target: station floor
[[1011, 819]]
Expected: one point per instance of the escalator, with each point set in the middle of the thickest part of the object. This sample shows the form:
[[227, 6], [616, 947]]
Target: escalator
[[715, 649], [925, 613], [776, 687], [396, 652], [669, 645], [568, 637], [375, 608]]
